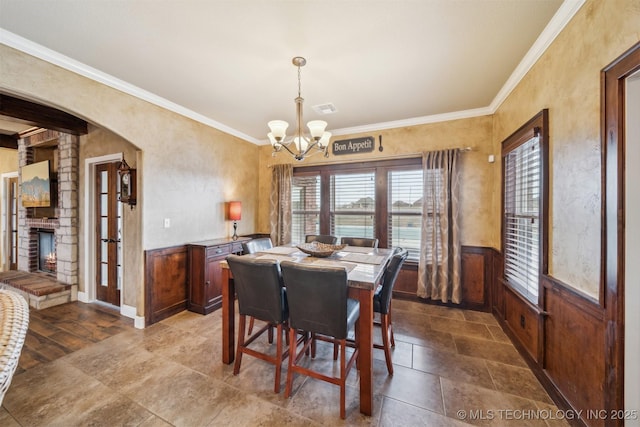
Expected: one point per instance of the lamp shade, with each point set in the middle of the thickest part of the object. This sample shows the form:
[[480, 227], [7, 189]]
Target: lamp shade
[[316, 128], [278, 128], [235, 211]]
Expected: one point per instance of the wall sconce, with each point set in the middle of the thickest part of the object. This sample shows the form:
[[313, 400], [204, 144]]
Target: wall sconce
[[127, 183], [234, 213]]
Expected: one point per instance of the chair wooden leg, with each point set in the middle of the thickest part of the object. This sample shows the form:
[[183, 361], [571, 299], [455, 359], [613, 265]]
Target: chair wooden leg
[[292, 358], [384, 328], [241, 329], [276, 388], [393, 341], [343, 376], [250, 330]]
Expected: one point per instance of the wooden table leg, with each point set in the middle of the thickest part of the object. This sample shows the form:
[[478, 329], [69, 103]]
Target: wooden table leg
[[228, 316], [365, 359]]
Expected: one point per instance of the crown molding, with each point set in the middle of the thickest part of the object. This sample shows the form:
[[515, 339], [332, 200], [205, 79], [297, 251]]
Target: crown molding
[[423, 120]]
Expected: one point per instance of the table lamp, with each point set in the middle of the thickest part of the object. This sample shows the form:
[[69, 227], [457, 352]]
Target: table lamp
[[234, 214]]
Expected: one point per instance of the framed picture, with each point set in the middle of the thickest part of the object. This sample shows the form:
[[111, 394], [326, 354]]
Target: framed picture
[[36, 185]]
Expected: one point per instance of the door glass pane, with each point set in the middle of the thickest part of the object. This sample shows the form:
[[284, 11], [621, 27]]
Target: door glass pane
[[104, 274], [104, 228], [104, 182], [104, 205], [104, 252]]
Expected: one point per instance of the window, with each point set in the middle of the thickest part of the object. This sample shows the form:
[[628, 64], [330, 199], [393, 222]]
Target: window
[[380, 200], [405, 209], [305, 204], [525, 219], [353, 204]]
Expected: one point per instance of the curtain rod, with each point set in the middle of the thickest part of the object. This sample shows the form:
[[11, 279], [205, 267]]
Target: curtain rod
[[396, 157]]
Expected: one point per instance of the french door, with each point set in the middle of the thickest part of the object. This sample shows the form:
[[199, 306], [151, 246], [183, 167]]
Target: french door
[[108, 234], [12, 223]]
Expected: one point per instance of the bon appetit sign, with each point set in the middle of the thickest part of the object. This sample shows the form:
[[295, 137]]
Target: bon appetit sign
[[353, 146]]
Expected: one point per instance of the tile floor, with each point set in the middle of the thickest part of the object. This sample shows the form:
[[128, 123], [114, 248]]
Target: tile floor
[[452, 367]]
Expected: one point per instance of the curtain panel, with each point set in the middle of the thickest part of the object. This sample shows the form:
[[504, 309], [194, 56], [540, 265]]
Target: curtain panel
[[439, 267], [280, 204]]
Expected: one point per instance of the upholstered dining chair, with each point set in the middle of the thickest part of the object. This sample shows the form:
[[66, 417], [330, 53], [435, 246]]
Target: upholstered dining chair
[[261, 295], [359, 241], [318, 304], [382, 303], [251, 247], [256, 245], [321, 238]]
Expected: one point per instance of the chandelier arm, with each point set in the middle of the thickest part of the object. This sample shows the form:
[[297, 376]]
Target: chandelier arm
[[286, 147]]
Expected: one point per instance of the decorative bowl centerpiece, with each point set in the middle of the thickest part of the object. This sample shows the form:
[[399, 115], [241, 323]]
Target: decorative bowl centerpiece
[[319, 250]]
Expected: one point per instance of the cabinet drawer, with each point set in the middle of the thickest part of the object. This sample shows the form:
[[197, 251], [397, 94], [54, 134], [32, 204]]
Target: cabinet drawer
[[214, 251], [236, 247]]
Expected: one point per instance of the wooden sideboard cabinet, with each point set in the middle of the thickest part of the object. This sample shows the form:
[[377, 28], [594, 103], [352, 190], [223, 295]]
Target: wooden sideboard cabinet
[[205, 274]]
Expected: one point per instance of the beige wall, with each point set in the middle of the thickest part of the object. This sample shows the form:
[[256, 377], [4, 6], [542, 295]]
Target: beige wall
[[8, 160], [566, 80], [478, 224]]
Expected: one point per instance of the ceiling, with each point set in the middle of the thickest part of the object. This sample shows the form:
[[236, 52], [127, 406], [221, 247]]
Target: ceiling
[[227, 63]]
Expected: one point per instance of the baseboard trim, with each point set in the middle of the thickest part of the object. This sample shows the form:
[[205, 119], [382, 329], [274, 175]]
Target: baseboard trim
[[131, 312]]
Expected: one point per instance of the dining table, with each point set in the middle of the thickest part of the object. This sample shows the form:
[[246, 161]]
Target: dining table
[[365, 268]]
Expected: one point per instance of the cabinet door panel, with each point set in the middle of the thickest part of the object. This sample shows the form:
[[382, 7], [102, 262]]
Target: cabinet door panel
[[214, 280]]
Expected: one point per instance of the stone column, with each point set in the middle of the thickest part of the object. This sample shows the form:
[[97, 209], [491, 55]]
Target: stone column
[[67, 232]]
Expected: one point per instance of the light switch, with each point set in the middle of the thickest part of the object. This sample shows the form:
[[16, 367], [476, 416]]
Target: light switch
[[167, 222]]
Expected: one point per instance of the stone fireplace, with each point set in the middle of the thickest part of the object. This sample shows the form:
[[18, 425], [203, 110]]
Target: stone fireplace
[[59, 225]]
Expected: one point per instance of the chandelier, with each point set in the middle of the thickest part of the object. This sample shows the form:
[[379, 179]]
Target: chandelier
[[299, 145]]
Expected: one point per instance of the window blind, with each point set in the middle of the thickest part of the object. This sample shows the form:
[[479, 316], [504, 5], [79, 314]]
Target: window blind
[[404, 202], [522, 183], [353, 204], [305, 206]]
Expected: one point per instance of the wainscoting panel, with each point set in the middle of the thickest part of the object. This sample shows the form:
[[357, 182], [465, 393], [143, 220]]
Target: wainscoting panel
[[524, 321], [407, 281], [477, 272], [574, 358], [497, 288], [165, 282]]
